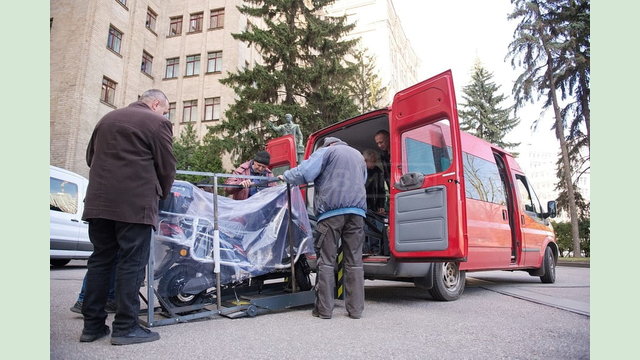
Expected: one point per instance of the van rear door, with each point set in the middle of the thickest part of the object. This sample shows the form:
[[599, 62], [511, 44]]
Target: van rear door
[[427, 207], [283, 154]]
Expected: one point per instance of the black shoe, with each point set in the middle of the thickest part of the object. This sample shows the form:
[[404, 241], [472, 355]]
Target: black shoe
[[354, 316], [136, 336], [87, 337], [315, 313], [110, 307], [77, 307]]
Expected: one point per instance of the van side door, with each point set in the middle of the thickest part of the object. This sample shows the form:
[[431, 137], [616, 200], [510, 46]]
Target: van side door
[[427, 207]]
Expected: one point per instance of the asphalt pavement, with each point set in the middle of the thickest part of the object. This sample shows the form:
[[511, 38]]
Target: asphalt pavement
[[501, 315]]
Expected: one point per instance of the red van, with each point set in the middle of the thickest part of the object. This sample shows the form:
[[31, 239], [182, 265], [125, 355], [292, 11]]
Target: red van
[[457, 203]]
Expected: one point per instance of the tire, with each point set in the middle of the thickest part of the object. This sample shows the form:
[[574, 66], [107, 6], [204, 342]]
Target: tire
[[448, 281], [303, 280], [171, 284], [549, 267], [59, 262]]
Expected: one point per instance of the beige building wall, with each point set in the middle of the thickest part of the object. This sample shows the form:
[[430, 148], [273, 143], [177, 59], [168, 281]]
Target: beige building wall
[[380, 31], [80, 59]]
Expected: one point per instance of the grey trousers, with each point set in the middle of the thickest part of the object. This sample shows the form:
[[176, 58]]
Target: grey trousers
[[351, 229]]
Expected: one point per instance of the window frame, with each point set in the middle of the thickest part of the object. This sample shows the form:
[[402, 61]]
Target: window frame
[[191, 105], [175, 68], [216, 61], [198, 18], [171, 114], [218, 15], [152, 19], [195, 62], [212, 109], [175, 20], [107, 96], [147, 63], [114, 33]]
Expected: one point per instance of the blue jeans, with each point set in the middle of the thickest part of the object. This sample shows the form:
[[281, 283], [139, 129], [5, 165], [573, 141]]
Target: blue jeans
[[112, 285]]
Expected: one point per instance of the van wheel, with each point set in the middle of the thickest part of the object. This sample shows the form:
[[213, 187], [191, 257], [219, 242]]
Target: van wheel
[[59, 262], [448, 281], [549, 267]]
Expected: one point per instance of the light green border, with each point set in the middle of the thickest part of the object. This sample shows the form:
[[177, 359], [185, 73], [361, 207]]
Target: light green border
[[25, 155], [615, 244]]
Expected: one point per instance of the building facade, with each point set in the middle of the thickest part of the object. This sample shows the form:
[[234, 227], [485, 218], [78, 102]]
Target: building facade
[[105, 53]]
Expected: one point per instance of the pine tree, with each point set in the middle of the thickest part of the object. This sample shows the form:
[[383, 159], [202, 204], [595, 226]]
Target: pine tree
[[366, 88], [535, 48], [194, 155], [481, 112], [302, 73]]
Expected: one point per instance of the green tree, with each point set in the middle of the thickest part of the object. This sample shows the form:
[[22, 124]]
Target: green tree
[[535, 49], [302, 72], [195, 155], [366, 87], [481, 112]]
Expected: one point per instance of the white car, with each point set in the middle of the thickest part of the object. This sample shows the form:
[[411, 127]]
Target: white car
[[68, 233]]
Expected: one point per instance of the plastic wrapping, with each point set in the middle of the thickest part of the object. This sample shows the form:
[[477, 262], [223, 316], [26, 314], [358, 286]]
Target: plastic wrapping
[[252, 236]]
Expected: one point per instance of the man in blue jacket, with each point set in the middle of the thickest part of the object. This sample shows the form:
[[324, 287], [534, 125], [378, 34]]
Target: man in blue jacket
[[338, 172]]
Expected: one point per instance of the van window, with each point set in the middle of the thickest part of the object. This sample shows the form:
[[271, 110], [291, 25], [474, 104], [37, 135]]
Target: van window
[[527, 196], [63, 196], [426, 149], [482, 180]]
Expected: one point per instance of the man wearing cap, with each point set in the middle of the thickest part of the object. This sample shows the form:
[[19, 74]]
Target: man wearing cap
[[258, 166], [338, 172]]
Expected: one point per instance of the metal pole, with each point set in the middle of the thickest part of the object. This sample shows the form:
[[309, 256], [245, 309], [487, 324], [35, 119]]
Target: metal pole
[[216, 243], [290, 236], [151, 300]]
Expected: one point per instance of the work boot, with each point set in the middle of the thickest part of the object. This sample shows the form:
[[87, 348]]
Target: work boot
[[136, 336], [315, 313], [77, 307], [90, 337]]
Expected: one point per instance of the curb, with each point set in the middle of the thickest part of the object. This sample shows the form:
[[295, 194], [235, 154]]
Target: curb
[[573, 264]]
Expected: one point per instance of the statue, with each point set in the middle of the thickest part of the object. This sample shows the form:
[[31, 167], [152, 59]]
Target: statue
[[290, 128]]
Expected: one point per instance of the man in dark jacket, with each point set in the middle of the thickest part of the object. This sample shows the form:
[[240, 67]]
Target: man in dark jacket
[[339, 173], [131, 167]]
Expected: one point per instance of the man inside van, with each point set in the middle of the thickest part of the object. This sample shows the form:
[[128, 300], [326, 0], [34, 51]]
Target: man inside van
[[339, 173], [382, 140], [132, 166]]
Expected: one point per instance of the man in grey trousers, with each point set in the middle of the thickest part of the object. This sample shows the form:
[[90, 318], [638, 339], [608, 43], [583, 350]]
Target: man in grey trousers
[[338, 172]]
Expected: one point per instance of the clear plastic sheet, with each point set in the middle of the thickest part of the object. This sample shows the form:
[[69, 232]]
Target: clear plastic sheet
[[252, 232]]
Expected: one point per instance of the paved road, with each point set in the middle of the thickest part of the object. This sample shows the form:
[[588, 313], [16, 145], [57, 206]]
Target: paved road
[[501, 315]]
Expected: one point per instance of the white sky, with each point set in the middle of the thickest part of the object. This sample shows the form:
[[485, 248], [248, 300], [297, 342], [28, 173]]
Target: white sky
[[453, 34]]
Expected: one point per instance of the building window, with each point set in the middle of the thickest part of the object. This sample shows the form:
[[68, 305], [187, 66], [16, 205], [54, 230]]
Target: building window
[[195, 24], [214, 61], [147, 61], [175, 27], [171, 115], [151, 20], [172, 68], [114, 40], [212, 108], [217, 19], [193, 65], [190, 110], [108, 94]]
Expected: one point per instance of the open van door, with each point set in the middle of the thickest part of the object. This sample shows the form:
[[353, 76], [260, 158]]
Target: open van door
[[283, 154], [427, 206]]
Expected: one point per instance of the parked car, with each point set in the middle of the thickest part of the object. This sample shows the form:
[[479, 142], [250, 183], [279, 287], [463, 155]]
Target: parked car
[[68, 233]]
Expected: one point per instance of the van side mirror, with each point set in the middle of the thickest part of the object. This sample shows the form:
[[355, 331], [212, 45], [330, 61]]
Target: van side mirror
[[552, 209]]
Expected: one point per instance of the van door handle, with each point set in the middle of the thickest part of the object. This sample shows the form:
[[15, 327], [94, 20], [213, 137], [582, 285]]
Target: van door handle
[[504, 214], [75, 220]]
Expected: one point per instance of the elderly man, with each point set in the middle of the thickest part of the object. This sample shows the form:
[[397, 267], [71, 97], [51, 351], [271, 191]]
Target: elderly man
[[339, 173], [382, 140], [258, 166], [132, 166]]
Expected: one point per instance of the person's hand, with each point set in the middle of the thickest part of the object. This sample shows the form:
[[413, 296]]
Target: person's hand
[[246, 183], [281, 178], [381, 211]]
